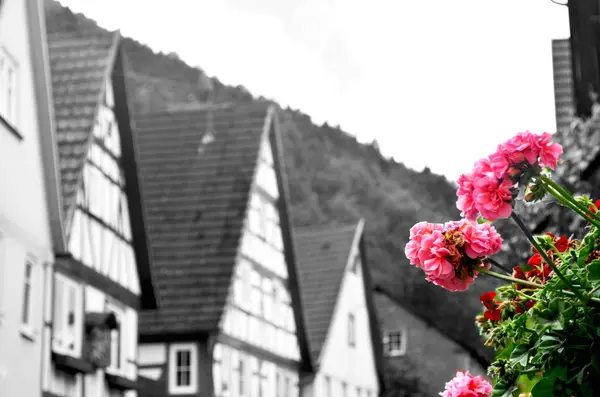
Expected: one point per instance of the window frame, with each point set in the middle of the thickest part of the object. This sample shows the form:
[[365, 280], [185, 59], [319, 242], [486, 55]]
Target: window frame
[[9, 64], [120, 312], [351, 330], [27, 295], [79, 313], [401, 350], [174, 348]]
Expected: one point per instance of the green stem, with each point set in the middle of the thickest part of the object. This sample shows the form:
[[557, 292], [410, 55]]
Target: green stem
[[594, 290], [527, 296], [508, 278], [544, 256], [575, 208], [560, 191]]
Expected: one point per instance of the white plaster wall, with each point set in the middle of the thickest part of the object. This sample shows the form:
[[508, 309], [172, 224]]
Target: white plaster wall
[[342, 363], [24, 221]]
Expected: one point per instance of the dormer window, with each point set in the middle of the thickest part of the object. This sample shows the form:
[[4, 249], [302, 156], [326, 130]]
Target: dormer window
[[395, 343]]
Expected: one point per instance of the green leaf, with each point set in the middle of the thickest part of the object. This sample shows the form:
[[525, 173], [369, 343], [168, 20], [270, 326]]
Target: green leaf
[[520, 355], [482, 220], [593, 270], [502, 389], [544, 388]]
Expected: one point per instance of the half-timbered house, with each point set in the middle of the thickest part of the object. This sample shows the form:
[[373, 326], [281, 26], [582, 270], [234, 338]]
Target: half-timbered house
[[230, 322], [101, 275], [342, 325]]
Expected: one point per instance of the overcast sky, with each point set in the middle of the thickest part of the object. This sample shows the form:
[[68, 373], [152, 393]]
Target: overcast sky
[[437, 83]]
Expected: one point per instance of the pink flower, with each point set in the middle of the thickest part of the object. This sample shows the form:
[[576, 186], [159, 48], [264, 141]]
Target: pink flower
[[549, 151], [452, 284], [482, 240], [465, 202], [493, 197], [450, 254], [414, 246], [466, 385], [486, 190], [522, 147]]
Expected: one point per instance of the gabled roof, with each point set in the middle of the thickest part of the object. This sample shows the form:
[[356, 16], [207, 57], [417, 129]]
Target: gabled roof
[[322, 257], [196, 195], [323, 253], [82, 59], [197, 167]]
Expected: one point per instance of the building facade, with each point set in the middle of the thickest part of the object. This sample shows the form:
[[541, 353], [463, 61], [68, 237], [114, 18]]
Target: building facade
[[230, 322], [25, 238], [419, 359], [342, 325], [100, 276]]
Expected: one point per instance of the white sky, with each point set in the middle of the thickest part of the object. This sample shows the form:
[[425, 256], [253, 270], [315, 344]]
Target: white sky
[[437, 83]]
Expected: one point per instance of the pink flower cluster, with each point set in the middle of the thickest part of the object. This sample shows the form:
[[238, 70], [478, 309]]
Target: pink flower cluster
[[486, 190], [466, 385], [450, 253]]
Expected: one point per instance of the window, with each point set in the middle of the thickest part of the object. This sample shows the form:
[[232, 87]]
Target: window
[[26, 309], [351, 330], [67, 323], [8, 88], [117, 339], [395, 343], [183, 370]]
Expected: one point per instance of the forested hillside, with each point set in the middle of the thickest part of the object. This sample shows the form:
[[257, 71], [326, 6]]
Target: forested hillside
[[332, 178]]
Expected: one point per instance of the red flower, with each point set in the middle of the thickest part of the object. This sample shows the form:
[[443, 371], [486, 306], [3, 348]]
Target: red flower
[[492, 315], [535, 260], [562, 244], [488, 300]]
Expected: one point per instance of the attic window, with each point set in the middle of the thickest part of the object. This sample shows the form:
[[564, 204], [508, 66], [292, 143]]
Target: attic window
[[394, 343]]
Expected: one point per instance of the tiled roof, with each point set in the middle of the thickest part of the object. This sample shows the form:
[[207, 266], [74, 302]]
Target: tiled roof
[[81, 54], [196, 191], [322, 255]]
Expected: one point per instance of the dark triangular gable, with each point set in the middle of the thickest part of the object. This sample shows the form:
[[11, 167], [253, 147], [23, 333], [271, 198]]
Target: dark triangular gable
[[82, 58]]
